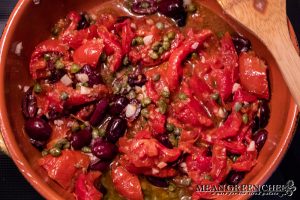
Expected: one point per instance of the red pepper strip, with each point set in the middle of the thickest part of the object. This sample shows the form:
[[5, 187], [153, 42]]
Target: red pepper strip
[[74, 17], [174, 69], [47, 46], [219, 162], [127, 35], [111, 44], [84, 187], [246, 161], [229, 56], [231, 126]]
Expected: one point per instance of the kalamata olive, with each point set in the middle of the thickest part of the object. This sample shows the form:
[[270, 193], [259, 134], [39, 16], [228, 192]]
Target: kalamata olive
[[164, 139], [103, 149], [159, 182], [83, 23], [260, 137], [137, 80], [234, 177], [99, 113], [81, 138], [144, 6], [241, 43], [56, 75], [264, 114], [29, 104], [179, 160], [132, 110], [118, 105], [38, 144], [115, 129], [100, 165], [38, 129], [173, 9], [94, 78], [255, 124]]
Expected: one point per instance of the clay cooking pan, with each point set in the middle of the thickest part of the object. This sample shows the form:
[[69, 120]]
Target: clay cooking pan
[[30, 24]]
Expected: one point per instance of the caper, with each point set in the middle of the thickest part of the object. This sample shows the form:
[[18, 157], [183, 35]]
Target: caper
[[75, 68], [156, 77], [191, 8], [162, 106], [215, 96], [165, 93], [182, 96], [37, 88], [59, 64], [60, 143], [146, 101], [64, 96], [156, 46], [166, 45], [55, 152], [153, 55], [47, 56], [45, 152], [237, 106], [145, 112], [245, 118], [125, 61], [170, 127], [86, 149], [161, 50], [177, 131], [160, 25], [139, 40], [95, 133], [171, 35]]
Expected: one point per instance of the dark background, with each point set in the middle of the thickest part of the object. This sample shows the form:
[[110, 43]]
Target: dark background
[[14, 187]]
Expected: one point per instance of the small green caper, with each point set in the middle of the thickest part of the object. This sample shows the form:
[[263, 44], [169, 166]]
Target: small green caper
[[45, 152], [146, 101], [64, 96], [145, 112], [86, 149], [214, 96], [160, 25], [166, 92], [177, 131], [60, 143], [170, 127], [156, 77], [59, 64], [166, 45], [156, 46], [171, 35], [237, 106], [74, 68], [153, 55], [37, 88], [47, 56], [245, 118], [162, 106], [125, 61], [161, 50], [55, 152], [139, 40], [182, 96], [95, 133], [191, 8]]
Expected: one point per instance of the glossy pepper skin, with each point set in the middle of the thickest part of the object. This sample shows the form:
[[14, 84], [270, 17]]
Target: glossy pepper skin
[[174, 69]]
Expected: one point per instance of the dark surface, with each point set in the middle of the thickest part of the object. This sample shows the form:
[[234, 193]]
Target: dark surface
[[14, 187]]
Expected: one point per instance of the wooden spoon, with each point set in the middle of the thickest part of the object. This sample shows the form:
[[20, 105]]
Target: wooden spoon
[[267, 20]]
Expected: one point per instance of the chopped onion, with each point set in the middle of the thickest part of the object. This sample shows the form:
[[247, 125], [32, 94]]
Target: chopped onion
[[161, 165], [235, 87], [19, 48], [148, 39], [130, 110], [66, 80], [85, 90], [251, 146], [195, 45], [155, 171], [82, 77]]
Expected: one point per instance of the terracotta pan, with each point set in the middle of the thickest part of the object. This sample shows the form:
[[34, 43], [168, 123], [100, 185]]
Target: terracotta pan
[[30, 23]]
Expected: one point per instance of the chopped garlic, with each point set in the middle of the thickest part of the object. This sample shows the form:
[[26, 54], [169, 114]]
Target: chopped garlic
[[85, 90], [82, 77], [251, 146], [148, 39], [130, 110], [66, 80]]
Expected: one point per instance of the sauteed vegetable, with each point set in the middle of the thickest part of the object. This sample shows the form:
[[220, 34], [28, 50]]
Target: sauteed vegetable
[[146, 100]]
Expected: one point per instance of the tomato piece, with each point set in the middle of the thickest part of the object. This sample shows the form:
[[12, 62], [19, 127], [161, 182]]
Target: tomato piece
[[47, 46], [231, 126], [253, 75], [151, 92], [65, 168], [246, 161], [126, 184], [224, 82], [176, 59], [89, 52], [84, 187], [199, 88]]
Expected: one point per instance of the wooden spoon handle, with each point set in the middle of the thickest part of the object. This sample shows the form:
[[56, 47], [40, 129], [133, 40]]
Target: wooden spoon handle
[[268, 21]]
